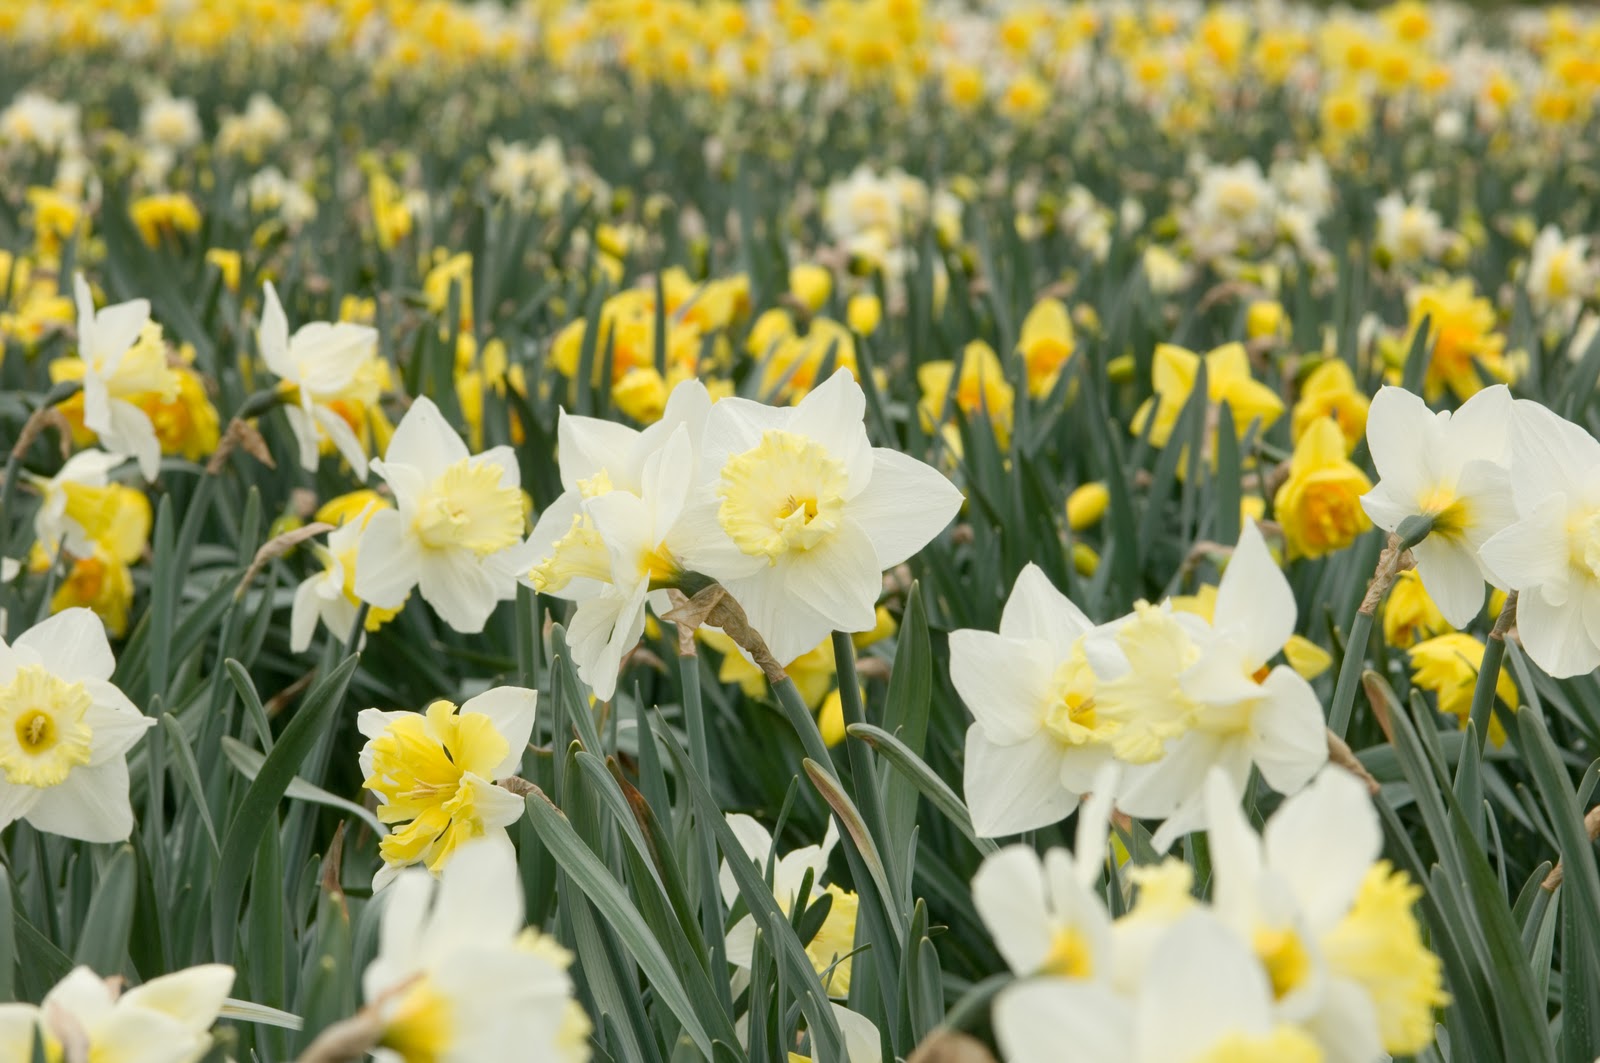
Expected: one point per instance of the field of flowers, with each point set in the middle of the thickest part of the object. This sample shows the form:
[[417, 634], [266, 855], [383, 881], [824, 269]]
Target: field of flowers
[[671, 530]]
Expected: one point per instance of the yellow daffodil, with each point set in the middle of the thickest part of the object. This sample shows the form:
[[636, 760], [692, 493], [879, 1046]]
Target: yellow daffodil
[[1330, 393], [1319, 505], [1447, 665], [981, 392]]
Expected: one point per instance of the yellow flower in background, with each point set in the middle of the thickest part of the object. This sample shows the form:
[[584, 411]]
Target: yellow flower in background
[[1319, 505], [101, 582], [1047, 341], [791, 365], [1228, 379], [228, 266], [188, 424], [1264, 318], [811, 284], [981, 391], [347, 507], [1463, 336], [1409, 615], [391, 214], [1448, 666], [163, 214], [450, 272], [864, 313], [813, 672], [1346, 114], [1330, 393], [56, 218], [1086, 505]]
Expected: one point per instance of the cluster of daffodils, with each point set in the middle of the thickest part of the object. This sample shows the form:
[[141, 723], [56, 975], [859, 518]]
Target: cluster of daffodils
[[1308, 950], [1165, 694]]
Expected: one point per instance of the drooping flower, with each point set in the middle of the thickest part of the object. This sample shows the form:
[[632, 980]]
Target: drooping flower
[[981, 392], [1451, 467], [456, 529], [1409, 613], [117, 367], [1448, 665], [1330, 393], [799, 514], [434, 773], [329, 596], [79, 502], [1046, 343], [459, 978], [1319, 505], [1550, 552], [320, 364], [1037, 740], [65, 730]]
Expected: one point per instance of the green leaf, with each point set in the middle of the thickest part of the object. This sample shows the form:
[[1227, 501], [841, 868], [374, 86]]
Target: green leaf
[[905, 716], [8, 940], [1581, 880], [257, 812], [248, 763], [103, 938], [189, 772], [924, 779]]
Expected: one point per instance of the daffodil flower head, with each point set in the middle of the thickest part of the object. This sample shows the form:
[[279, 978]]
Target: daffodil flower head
[[80, 504], [165, 1020], [456, 529], [118, 365], [330, 595], [1319, 504], [798, 515], [1176, 373], [1452, 468], [65, 730], [434, 774]]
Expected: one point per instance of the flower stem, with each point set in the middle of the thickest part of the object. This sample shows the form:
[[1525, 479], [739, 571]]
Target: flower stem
[[1494, 653]]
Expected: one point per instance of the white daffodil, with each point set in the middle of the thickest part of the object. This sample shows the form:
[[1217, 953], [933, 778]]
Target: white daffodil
[[798, 514], [86, 1018], [612, 533], [322, 362], [1045, 916], [1451, 467], [78, 502], [458, 979], [862, 1042], [1036, 741], [1550, 554], [65, 730], [434, 774], [329, 596], [1241, 711], [1329, 924], [456, 531], [1409, 233], [836, 937], [1204, 999], [1561, 275], [117, 364]]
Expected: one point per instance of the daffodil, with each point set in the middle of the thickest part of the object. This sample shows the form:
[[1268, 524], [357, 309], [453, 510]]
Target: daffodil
[[981, 392], [1462, 335], [456, 529], [1452, 468], [1409, 232], [1550, 551], [458, 978], [319, 363], [1046, 342], [1330, 393], [116, 367], [1037, 740], [65, 730], [165, 1020], [79, 502], [1448, 665], [830, 948], [1174, 376], [329, 596], [1561, 274], [1319, 505], [434, 774], [798, 514]]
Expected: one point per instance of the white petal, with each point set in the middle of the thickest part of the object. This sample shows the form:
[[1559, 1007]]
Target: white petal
[[18, 1028], [1288, 734], [1004, 682], [1202, 984], [1555, 635], [1453, 578], [1254, 599], [1009, 894], [1549, 454], [91, 806], [832, 414], [1235, 852], [116, 723], [193, 996], [480, 894], [388, 562], [603, 630], [307, 441], [756, 844], [588, 444], [344, 439], [1533, 551], [130, 432], [331, 353], [425, 441], [1398, 434], [456, 585], [1322, 842], [273, 336], [862, 1042], [905, 504], [1033, 1021], [71, 644], [303, 614], [839, 578], [512, 711], [1014, 788], [1036, 610]]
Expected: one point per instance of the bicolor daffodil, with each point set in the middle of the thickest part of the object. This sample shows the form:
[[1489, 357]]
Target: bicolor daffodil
[[65, 731], [1451, 467], [459, 978], [434, 773], [116, 367], [1550, 554], [798, 514], [165, 1020], [329, 596], [79, 503], [456, 529], [321, 364], [1036, 741]]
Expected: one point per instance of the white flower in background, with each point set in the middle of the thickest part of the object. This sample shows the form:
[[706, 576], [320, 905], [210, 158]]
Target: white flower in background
[[1204, 999], [41, 122], [1331, 926], [458, 977], [75, 500], [1305, 184], [322, 362], [1452, 467], [170, 123], [434, 774], [862, 1042], [799, 514], [1044, 915], [456, 531], [1561, 275], [86, 1018], [1233, 206], [269, 192], [1037, 741], [1550, 554], [529, 176], [119, 364], [837, 935], [1239, 711], [1410, 232], [614, 529], [65, 730], [262, 126]]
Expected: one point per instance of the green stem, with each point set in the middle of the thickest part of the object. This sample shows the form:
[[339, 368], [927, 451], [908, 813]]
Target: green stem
[[863, 772], [711, 914], [804, 724], [1494, 653]]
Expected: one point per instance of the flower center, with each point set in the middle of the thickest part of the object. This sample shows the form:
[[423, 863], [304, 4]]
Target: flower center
[[1283, 1045], [1070, 717], [785, 493], [421, 1028], [47, 736], [468, 508], [1285, 959], [1583, 541], [1070, 955], [579, 554], [1451, 514]]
